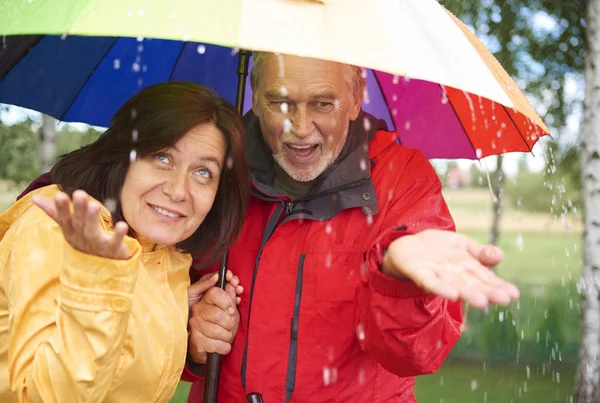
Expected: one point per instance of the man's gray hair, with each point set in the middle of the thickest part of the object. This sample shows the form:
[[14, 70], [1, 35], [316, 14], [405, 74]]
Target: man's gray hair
[[355, 76]]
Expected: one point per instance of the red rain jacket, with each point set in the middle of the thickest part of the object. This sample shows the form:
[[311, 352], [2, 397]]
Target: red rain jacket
[[319, 321]]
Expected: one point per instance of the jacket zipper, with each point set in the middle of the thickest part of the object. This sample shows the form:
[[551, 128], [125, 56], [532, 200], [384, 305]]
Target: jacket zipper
[[290, 381]]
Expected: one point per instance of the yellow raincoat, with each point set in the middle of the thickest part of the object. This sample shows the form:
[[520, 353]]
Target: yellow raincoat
[[81, 328]]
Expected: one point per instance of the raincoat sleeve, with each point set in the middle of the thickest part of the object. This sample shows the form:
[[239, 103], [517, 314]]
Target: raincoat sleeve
[[406, 330], [69, 315]]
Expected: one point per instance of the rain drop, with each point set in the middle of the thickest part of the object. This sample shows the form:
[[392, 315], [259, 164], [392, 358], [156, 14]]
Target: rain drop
[[328, 261], [201, 49], [132, 155], [284, 91], [361, 376], [474, 385], [330, 354], [478, 153], [360, 332], [328, 229], [395, 79], [135, 67], [116, 64], [520, 243], [366, 124], [363, 165], [394, 97], [110, 204], [287, 125], [369, 220], [394, 111], [63, 36], [140, 48], [133, 114], [407, 125], [140, 38], [229, 162], [134, 135], [326, 376], [501, 316], [284, 108]]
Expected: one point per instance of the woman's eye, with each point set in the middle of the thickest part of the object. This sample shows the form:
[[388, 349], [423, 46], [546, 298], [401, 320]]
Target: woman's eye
[[162, 158], [204, 173]]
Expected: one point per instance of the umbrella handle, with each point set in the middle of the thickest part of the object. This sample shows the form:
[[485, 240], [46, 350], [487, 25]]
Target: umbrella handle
[[254, 398], [213, 363]]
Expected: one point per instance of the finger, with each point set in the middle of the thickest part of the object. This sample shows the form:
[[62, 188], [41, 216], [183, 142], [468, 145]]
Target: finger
[[468, 287], [488, 255], [490, 278], [235, 281], [47, 205], [213, 331], [80, 207], [238, 300], [217, 297], [239, 290], [205, 313], [116, 245], [230, 290], [201, 286], [217, 346], [64, 215], [91, 226], [228, 275], [428, 280]]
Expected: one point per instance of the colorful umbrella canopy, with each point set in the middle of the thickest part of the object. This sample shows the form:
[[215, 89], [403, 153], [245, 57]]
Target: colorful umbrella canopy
[[428, 75]]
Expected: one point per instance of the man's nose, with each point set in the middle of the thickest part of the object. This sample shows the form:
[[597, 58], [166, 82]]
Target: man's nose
[[302, 122]]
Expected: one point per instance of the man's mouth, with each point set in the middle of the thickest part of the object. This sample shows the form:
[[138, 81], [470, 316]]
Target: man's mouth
[[302, 150]]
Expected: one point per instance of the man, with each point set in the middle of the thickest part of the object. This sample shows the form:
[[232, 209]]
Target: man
[[353, 275]]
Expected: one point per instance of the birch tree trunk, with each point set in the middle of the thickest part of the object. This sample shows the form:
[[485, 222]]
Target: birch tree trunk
[[498, 192], [48, 143], [588, 371]]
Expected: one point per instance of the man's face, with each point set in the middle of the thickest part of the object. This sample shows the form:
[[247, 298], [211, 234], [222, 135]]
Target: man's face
[[305, 107]]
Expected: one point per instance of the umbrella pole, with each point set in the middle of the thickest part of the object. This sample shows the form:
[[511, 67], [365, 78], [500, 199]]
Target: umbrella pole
[[213, 363]]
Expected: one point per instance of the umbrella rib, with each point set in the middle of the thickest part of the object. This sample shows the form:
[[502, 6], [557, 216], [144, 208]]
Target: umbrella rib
[[177, 60], [462, 125], [30, 48], [518, 130], [88, 78], [387, 105]]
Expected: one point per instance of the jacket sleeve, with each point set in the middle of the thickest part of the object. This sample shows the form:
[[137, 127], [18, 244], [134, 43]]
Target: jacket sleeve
[[69, 315], [406, 330]]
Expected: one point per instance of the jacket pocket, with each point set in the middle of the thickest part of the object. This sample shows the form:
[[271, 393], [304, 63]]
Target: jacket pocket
[[337, 276]]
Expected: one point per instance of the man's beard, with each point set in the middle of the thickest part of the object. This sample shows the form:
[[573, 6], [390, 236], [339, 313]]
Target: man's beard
[[325, 160]]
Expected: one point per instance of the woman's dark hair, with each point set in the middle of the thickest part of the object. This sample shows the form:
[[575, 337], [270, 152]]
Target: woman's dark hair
[[152, 120]]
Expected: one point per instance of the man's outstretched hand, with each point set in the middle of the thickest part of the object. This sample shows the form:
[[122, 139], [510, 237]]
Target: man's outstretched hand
[[450, 265]]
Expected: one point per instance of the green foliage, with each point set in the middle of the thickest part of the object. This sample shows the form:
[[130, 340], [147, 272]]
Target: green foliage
[[550, 335], [69, 139], [499, 335], [19, 151]]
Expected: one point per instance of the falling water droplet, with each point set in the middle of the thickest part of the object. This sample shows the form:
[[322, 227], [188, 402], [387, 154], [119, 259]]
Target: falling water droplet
[[520, 242], [64, 36], [407, 125], [474, 385], [326, 376], [328, 229], [360, 332], [140, 48], [132, 155], [135, 67], [366, 124], [330, 354], [287, 125], [361, 376], [134, 135], [201, 49], [284, 108], [140, 38], [117, 64], [501, 316], [328, 260], [110, 204], [363, 165], [395, 79], [394, 97], [283, 91], [229, 162]]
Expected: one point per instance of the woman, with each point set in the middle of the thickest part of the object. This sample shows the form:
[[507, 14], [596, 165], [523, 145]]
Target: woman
[[93, 298]]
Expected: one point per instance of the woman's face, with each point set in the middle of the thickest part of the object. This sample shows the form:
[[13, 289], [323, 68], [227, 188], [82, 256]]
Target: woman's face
[[166, 196]]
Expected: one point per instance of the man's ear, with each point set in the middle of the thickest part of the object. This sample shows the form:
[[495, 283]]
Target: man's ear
[[357, 101], [254, 98]]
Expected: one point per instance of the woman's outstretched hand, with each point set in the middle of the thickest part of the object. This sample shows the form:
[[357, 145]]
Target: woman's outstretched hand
[[81, 226]]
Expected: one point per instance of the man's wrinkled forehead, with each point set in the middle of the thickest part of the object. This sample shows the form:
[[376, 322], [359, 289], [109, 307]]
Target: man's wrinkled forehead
[[282, 73]]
